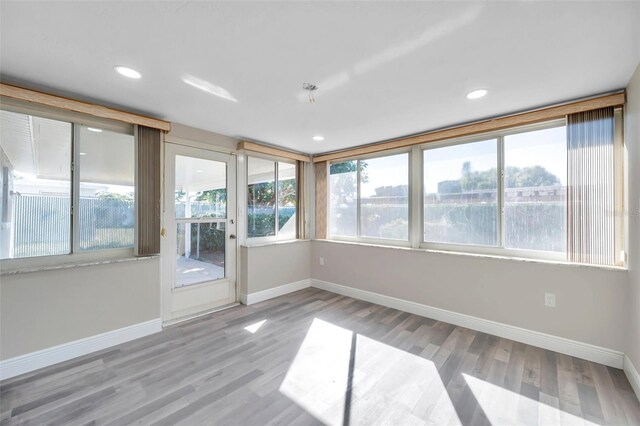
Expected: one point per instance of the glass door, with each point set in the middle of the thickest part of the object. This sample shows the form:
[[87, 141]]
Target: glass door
[[199, 248]]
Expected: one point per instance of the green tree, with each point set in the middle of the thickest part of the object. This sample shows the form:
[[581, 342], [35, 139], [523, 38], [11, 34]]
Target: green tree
[[213, 196], [346, 182], [105, 195], [515, 177]]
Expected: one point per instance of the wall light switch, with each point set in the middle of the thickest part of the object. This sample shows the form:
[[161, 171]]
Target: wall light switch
[[321, 261], [550, 300]]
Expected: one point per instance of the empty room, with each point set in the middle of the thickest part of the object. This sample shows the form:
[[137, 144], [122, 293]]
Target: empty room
[[319, 213]]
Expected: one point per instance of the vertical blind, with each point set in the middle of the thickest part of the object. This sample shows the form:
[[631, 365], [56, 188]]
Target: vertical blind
[[301, 213], [591, 187], [321, 199], [148, 143]]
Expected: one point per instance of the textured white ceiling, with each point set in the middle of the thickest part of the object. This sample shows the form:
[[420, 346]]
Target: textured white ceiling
[[384, 69]]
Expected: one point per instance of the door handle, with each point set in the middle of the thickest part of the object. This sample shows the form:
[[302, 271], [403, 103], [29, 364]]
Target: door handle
[[232, 236]]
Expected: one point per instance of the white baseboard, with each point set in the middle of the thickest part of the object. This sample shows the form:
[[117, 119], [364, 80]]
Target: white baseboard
[[35, 360], [261, 296], [632, 375], [554, 343]]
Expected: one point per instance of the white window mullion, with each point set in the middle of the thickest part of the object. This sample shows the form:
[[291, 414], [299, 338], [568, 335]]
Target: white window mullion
[[276, 191], [416, 220], [75, 190], [358, 233], [500, 191]]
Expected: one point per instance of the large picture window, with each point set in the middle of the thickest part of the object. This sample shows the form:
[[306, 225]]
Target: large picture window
[[370, 198], [535, 191], [48, 167], [106, 204], [535, 184], [461, 194], [271, 198]]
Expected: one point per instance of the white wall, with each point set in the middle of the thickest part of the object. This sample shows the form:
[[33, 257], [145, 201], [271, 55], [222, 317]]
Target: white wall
[[268, 266], [43, 309], [591, 302], [632, 141]]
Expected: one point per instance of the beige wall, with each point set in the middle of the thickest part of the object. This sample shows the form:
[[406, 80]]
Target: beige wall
[[267, 266], [43, 309], [590, 308], [632, 140]]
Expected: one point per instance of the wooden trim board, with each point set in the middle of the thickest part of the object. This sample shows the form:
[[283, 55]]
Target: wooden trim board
[[500, 123], [41, 98], [271, 150]]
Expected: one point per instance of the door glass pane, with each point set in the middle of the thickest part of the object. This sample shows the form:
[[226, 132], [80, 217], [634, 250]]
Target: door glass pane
[[35, 177], [200, 193], [107, 201], [343, 190], [201, 251], [201, 188], [287, 199], [535, 189], [460, 194], [384, 197], [261, 201]]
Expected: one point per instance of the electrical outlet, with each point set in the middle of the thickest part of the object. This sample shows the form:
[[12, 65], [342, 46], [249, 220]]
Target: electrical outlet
[[321, 261], [550, 300]]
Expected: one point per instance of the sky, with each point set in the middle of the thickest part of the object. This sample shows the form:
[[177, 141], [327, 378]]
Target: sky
[[546, 148]]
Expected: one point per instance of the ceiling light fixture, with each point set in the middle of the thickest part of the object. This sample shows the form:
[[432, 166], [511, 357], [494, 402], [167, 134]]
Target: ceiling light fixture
[[127, 72], [83, 153], [310, 88], [318, 138], [477, 94], [93, 129]]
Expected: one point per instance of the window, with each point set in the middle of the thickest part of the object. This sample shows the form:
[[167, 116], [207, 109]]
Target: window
[[106, 204], [370, 198], [462, 183], [460, 194], [535, 184], [343, 209], [40, 186], [272, 198], [517, 192], [36, 186]]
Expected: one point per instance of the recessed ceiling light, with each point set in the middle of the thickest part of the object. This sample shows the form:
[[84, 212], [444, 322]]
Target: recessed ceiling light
[[83, 153], [477, 94], [127, 72], [318, 138], [199, 171], [93, 129]]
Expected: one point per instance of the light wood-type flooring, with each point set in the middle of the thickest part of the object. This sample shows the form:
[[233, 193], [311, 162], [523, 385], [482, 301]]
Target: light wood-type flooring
[[314, 357]]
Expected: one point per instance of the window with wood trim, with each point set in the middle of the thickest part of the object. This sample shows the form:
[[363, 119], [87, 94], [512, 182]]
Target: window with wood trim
[[369, 198], [272, 199], [550, 191], [67, 187]]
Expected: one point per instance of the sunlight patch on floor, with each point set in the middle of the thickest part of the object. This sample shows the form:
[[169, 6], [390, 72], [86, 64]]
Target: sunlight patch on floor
[[389, 385], [255, 327], [502, 406]]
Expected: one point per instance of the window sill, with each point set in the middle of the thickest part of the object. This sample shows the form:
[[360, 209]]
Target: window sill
[[272, 243], [480, 255], [69, 265]]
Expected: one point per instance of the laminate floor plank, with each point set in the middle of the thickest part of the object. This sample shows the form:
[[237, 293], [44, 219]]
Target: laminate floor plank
[[315, 357]]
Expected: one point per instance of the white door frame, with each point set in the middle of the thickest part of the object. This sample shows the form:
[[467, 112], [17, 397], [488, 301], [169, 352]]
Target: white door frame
[[197, 299]]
